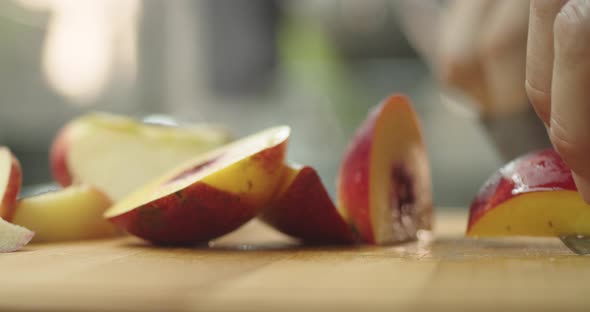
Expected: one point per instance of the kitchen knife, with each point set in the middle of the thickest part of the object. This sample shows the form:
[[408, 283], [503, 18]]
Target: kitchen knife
[[579, 244]]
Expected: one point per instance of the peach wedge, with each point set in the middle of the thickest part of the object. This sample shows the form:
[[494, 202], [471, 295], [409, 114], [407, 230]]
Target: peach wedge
[[117, 154], [10, 183], [534, 195], [303, 209], [72, 213], [384, 183], [208, 196]]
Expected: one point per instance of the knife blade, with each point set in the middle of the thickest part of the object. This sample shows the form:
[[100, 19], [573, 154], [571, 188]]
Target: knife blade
[[579, 244]]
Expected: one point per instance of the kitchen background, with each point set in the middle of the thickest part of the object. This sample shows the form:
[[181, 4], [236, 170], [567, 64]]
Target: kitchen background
[[317, 65]]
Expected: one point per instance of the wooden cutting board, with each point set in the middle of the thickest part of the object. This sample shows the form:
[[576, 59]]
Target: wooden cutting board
[[256, 269]]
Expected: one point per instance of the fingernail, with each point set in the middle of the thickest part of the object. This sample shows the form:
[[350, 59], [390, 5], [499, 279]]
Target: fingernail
[[583, 185]]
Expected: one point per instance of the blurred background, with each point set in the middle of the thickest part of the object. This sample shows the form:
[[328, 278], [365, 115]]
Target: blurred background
[[317, 65]]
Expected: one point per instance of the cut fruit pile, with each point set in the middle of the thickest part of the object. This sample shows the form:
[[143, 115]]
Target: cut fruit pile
[[69, 214], [95, 157], [534, 195], [187, 185], [384, 189], [176, 185]]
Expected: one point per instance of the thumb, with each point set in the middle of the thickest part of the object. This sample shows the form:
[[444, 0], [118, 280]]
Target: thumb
[[570, 93]]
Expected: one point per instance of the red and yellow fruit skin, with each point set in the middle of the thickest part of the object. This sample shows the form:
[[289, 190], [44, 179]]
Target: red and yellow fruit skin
[[9, 199], [534, 172], [354, 179], [303, 209], [205, 209], [196, 214], [58, 162]]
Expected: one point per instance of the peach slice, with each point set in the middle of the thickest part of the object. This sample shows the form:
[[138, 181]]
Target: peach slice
[[73, 213], [13, 237], [384, 181], [534, 195], [118, 154], [10, 183], [303, 209], [208, 196]]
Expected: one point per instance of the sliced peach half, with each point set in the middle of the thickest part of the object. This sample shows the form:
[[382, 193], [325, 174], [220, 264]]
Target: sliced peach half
[[72, 213], [118, 154], [534, 195], [303, 209], [384, 181], [208, 196]]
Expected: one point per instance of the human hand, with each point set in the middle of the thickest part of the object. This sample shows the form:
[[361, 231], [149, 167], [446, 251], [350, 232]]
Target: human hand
[[558, 79], [482, 52]]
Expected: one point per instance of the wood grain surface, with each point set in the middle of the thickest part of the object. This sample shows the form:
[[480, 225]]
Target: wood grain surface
[[255, 269]]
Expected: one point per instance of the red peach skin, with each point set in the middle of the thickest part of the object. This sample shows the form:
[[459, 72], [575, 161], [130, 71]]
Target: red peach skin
[[304, 210], [57, 158], [384, 178], [534, 195], [12, 188]]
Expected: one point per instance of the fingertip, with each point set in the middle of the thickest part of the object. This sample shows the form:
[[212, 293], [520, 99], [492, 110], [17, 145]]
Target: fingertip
[[573, 152], [539, 60], [541, 102]]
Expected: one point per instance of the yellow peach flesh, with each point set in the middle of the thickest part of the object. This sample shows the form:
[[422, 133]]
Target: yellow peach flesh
[[397, 142], [549, 213], [5, 167], [72, 213]]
